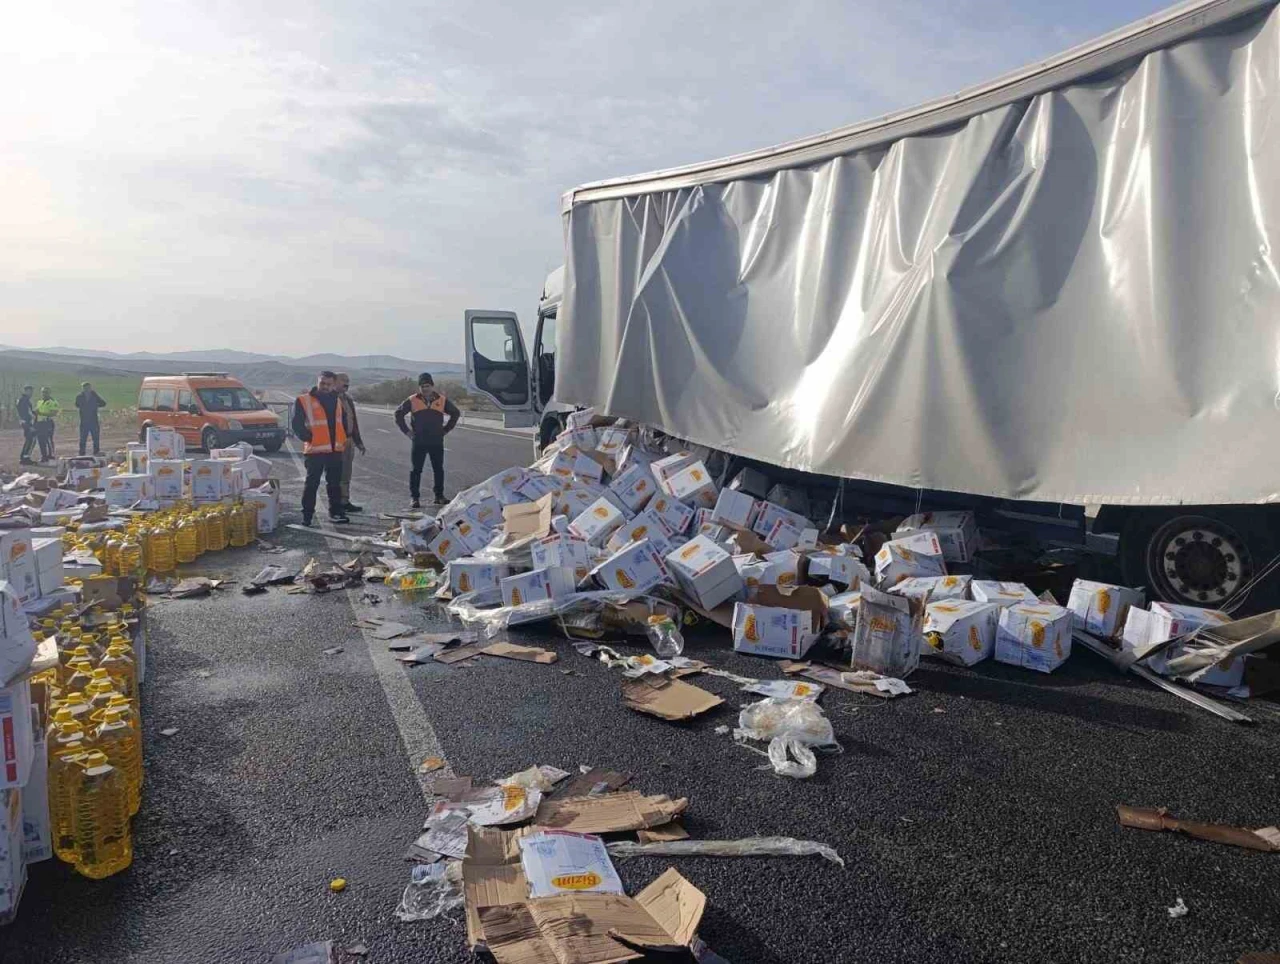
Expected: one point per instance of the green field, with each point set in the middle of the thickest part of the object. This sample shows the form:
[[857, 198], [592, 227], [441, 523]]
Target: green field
[[120, 391]]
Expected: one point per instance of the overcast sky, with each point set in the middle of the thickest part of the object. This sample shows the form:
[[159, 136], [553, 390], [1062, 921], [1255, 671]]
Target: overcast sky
[[350, 175]]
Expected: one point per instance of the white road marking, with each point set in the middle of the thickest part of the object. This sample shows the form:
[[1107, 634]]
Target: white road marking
[[385, 431], [416, 733]]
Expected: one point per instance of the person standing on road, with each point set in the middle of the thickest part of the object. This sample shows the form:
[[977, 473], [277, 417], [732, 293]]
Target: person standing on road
[[427, 410], [47, 409], [27, 416], [89, 401], [321, 423], [349, 453]]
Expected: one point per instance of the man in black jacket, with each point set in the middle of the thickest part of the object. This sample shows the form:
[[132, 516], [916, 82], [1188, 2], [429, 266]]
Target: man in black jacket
[[88, 402], [427, 411], [318, 419], [27, 416]]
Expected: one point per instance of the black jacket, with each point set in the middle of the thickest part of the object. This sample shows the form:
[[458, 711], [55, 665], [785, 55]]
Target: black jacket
[[26, 411], [331, 409], [89, 403], [427, 425]]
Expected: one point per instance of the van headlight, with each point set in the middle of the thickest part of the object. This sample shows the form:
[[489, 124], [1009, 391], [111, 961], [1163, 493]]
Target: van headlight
[[234, 424]]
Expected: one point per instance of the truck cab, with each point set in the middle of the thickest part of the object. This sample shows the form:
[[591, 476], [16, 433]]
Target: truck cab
[[499, 366]]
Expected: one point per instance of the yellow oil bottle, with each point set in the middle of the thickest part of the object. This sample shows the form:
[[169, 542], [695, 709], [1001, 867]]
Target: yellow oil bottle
[[79, 676], [185, 542], [215, 529], [74, 703], [93, 643], [118, 738], [239, 519], [159, 550], [130, 561], [100, 800], [66, 748], [100, 690], [202, 542], [119, 664]]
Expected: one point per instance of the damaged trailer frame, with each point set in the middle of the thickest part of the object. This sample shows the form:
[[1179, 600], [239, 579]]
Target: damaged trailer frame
[[1075, 305]]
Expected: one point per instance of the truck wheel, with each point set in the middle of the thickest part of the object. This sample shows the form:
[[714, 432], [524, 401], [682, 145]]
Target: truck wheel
[[273, 446], [209, 439], [552, 425], [1199, 558]]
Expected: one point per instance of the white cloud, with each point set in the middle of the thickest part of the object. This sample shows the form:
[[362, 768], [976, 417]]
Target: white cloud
[[352, 175]]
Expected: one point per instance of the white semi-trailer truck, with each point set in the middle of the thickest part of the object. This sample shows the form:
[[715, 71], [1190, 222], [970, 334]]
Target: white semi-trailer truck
[[1054, 291]]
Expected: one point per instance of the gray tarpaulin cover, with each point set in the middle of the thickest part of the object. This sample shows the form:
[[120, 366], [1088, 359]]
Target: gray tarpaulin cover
[[1072, 296]]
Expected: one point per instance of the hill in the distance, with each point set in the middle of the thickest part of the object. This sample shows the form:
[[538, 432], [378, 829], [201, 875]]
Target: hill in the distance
[[231, 356]]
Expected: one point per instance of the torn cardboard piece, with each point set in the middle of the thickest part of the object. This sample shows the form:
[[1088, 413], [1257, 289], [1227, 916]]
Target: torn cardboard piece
[[566, 930], [528, 654], [609, 812], [675, 905], [491, 875], [668, 699], [584, 783], [667, 831], [451, 656], [1147, 818]]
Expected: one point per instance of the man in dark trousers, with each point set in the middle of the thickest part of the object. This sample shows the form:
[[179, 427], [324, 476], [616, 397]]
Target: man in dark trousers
[[27, 416], [355, 442], [318, 419], [89, 401], [427, 411]]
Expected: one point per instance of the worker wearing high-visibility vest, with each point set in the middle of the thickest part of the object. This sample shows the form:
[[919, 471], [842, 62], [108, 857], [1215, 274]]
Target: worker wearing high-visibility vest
[[431, 417], [47, 409], [321, 423]]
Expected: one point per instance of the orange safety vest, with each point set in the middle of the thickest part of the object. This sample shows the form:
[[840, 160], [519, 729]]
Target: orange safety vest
[[417, 404], [318, 422]]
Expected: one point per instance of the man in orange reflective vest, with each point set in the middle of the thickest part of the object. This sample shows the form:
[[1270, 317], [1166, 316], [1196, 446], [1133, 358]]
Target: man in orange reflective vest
[[321, 423], [427, 411]]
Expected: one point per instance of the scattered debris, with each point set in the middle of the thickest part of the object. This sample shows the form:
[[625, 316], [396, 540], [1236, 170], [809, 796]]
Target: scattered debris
[[609, 813], [356, 950], [1179, 909], [433, 889], [589, 778], [1144, 818], [423, 654], [668, 699], [747, 847], [169, 731], [338, 885], [318, 953], [667, 831], [792, 727], [333, 651], [557, 862], [431, 764]]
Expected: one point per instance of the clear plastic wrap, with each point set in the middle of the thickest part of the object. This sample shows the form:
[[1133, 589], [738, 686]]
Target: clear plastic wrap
[[791, 758], [493, 621], [434, 889], [746, 847], [791, 727]]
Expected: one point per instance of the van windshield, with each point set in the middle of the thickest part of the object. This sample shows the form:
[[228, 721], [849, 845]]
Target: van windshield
[[228, 400]]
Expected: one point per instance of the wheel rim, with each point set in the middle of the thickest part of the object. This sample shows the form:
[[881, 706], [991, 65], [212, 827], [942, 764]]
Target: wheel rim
[[210, 441], [1198, 561]]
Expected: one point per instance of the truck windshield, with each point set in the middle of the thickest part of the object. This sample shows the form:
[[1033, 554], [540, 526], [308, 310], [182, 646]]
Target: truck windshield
[[228, 400]]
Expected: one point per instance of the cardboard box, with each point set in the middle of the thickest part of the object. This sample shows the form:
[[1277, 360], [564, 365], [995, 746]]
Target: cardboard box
[[17, 741], [563, 862], [781, 626], [487, 513], [675, 515], [1001, 593], [84, 477], [770, 513], [526, 587], [446, 546], [575, 499], [562, 549], [786, 569], [613, 439], [469, 535], [646, 525], [1168, 621], [210, 480], [752, 483], [735, 508], [587, 468], [17, 647], [267, 499], [636, 568], [667, 468], [633, 488], [168, 477], [693, 486], [784, 535], [13, 869], [938, 587], [18, 564], [847, 570], [956, 531], [916, 555], [241, 450], [1100, 608], [505, 486], [705, 572], [165, 444], [255, 468], [582, 438], [1034, 636], [889, 633], [475, 575], [561, 466], [599, 522], [49, 575], [126, 489], [960, 631], [37, 833], [137, 458]]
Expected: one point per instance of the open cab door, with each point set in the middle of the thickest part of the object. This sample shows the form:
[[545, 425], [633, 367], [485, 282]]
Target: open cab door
[[498, 365]]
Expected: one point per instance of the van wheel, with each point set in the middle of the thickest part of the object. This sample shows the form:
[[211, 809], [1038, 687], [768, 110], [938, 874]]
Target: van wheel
[[272, 446], [1199, 558], [209, 439]]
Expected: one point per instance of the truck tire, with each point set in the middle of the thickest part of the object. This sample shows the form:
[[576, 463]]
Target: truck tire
[[1200, 556], [273, 446], [552, 425], [209, 439]]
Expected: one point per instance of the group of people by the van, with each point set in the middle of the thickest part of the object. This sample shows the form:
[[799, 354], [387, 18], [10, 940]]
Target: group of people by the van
[[325, 419], [38, 417]]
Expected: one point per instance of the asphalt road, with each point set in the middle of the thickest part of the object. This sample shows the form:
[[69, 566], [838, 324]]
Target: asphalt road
[[976, 817]]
